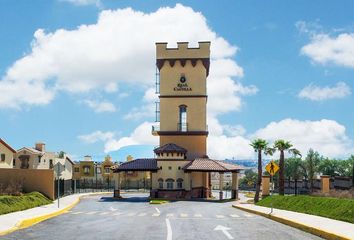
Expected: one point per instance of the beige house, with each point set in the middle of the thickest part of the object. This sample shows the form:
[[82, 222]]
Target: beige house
[[181, 168], [7, 154], [34, 158]]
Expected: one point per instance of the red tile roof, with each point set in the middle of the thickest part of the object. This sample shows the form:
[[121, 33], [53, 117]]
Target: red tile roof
[[170, 148], [7, 145], [142, 164], [210, 165]]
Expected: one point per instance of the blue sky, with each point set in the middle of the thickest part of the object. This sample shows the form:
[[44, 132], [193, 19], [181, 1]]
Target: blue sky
[[279, 70]]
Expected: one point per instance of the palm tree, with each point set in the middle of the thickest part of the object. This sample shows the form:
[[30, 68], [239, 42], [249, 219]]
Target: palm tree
[[259, 146], [282, 146]]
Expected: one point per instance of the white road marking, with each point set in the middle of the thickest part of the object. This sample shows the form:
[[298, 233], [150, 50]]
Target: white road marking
[[157, 210], [198, 215], [224, 230], [75, 213], [90, 213], [156, 214], [220, 216], [234, 215], [247, 215], [169, 215], [104, 213], [184, 215], [113, 209], [131, 214], [169, 229], [141, 214], [116, 214]]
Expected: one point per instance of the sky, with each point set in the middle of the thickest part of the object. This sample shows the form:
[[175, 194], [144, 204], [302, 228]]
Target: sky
[[79, 75]]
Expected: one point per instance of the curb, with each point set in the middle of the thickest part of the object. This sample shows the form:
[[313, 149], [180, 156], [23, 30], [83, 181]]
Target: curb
[[32, 221], [303, 227]]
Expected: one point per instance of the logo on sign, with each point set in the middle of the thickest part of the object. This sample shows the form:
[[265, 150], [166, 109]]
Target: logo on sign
[[182, 85]]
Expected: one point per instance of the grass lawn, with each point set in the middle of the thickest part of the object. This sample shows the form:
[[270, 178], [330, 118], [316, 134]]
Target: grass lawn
[[158, 201], [335, 208], [18, 203]]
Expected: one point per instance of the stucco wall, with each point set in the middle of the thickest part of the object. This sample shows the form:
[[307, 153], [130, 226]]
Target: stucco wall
[[196, 145], [196, 113], [9, 155], [32, 180], [34, 162]]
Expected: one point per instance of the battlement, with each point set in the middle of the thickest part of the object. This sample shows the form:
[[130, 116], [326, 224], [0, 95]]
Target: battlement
[[182, 51]]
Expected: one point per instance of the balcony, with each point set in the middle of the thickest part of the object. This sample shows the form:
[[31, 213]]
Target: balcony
[[154, 129]]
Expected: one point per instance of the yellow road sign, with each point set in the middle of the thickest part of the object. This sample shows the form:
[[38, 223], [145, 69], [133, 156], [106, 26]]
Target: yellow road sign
[[272, 168]]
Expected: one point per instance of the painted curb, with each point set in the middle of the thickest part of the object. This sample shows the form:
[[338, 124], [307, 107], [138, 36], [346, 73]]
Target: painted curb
[[292, 223], [32, 221]]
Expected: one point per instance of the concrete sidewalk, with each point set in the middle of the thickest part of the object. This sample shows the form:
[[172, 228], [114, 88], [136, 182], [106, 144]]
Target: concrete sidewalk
[[13, 221], [320, 226]]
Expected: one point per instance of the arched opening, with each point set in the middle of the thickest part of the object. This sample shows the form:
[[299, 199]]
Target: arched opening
[[169, 183], [179, 183], [160, 180], [182, 124]]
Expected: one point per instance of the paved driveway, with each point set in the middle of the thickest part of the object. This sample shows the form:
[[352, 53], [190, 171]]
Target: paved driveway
[[97, 217]]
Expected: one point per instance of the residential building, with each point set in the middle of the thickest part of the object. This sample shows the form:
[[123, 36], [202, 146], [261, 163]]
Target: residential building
[[7, 154], [34, 158]]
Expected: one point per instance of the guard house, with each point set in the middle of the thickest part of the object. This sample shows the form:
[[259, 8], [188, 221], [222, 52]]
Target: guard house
[[181, 167]]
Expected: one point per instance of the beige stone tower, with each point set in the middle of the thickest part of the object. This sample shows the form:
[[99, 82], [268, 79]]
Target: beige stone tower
[[183, 96]]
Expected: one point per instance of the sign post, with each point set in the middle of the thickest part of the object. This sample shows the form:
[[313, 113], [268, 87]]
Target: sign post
[[272, 168], [60, 169]]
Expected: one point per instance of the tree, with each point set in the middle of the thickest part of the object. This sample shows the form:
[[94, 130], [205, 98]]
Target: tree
[[294, 168], [282, 146], [328, 167], [249, 179], [259, 146], [311, 165]]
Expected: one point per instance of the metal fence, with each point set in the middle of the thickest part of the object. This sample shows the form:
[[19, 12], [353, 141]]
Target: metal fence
[[67, 187]]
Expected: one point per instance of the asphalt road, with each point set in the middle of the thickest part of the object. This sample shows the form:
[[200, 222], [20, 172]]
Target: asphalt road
[[97, 217]]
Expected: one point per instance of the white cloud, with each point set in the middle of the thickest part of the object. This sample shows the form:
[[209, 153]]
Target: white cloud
[[99, 107], [112, 51], [316, 93], [83, 2], [140, 136], [325, 49], [325, 136], [96, 137]]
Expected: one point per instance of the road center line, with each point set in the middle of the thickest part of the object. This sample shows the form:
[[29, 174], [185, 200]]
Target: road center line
[[169, 229], [157, 210]]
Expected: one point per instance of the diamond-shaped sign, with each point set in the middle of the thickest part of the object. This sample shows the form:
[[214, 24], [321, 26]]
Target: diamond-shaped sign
[[272, 168]]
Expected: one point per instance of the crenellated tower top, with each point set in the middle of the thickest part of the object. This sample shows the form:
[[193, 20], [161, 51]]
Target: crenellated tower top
[[183, 54]]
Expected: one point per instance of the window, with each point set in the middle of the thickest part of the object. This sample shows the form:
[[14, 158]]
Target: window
[[107, 169], [14, 162], [2, 157], [24, 161], [169, 183], [182, 125], [179, 168], [86, 169], [179, 183], [160, 183], [169, 168], [39, 159], [51, 163], [98, 170], [77, 169]]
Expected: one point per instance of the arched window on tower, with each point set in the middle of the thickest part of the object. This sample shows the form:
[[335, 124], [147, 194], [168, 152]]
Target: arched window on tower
[[182, 124]]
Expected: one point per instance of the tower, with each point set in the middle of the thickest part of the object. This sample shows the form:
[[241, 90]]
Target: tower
[[183, 96]]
